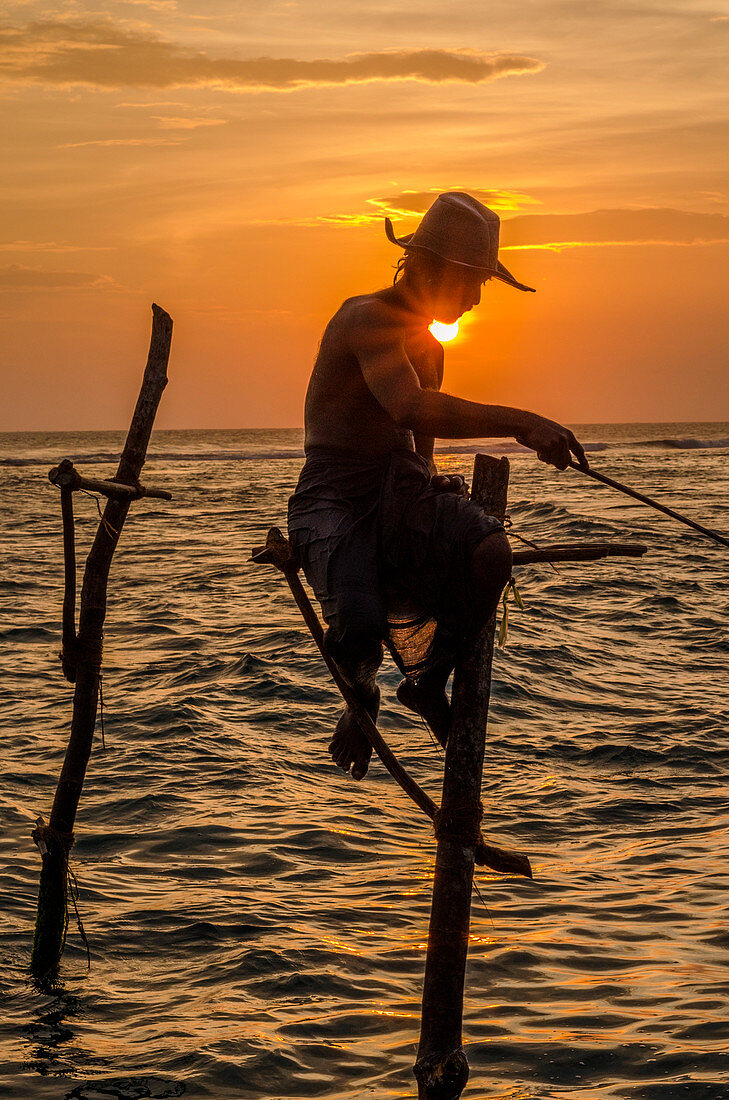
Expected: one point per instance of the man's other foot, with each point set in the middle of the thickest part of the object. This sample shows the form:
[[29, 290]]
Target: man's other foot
[[429, 700], [350, 750]]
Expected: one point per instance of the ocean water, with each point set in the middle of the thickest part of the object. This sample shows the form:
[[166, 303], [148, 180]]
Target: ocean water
[[258, 920]]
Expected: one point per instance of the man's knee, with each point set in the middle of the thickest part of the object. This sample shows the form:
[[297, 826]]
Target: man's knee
[[491, 563]]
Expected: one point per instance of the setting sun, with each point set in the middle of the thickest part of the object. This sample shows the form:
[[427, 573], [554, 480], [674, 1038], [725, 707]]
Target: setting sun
[[444, 333]]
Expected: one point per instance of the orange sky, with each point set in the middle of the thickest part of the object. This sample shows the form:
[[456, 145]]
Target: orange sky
[[234, 162]]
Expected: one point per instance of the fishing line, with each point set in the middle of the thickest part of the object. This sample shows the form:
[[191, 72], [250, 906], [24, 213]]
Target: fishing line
[[650, 502], [101, 709], [480, 898], [73, 890], [509, 525]]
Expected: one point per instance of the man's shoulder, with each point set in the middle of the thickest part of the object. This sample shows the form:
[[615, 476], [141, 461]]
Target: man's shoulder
[[365, 317], [364, 308]]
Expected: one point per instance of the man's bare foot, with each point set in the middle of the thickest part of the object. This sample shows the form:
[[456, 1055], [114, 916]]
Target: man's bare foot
[[349, 748], [428, 699]]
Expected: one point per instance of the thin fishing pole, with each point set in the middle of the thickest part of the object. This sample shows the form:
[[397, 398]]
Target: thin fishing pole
[[652, 503]]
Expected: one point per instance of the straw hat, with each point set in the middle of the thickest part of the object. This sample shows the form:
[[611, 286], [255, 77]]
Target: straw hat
[[463, 231]]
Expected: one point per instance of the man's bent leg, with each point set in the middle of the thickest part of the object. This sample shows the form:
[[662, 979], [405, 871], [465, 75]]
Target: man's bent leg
[[490, 571], [358, 656]]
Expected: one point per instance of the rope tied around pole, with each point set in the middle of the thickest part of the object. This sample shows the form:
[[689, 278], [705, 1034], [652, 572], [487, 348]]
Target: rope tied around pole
[[458, 829], [77, 651], [44, 832], [460, 826]]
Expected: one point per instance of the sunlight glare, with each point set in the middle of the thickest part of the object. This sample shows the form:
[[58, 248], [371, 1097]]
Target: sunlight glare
[[444, 333]]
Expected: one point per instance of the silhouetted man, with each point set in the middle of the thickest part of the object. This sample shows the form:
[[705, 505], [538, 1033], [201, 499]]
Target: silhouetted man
[[393, 551]]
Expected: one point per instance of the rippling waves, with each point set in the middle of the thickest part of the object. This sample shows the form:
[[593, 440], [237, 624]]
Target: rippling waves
[[257, 920]]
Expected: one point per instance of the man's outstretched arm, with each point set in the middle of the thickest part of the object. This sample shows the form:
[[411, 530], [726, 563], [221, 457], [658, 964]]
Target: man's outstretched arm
[[394, 382]]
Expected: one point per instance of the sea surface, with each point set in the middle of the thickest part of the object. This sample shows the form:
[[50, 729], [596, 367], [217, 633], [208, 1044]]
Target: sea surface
[[258, 920]]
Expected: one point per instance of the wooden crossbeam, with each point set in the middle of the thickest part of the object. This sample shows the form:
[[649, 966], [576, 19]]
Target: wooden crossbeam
[[66, 476]]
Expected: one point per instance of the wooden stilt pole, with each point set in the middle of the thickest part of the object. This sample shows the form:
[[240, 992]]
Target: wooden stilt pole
[[82, 653], [441, 1069]]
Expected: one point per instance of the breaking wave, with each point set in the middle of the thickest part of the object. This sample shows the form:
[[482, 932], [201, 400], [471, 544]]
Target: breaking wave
[[683, 444]]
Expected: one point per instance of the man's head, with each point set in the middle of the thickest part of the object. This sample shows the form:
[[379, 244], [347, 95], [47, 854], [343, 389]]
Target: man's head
[[444, 290], [461, 237]]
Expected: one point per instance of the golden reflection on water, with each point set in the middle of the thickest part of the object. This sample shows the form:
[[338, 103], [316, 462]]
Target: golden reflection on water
[[330, 941], [396, 1015], [240, 919]]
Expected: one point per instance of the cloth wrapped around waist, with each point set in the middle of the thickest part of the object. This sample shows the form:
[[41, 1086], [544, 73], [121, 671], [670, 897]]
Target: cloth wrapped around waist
[[386, 554]]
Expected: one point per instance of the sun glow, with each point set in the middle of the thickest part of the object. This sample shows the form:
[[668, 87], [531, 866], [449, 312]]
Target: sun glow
[[444, 333]]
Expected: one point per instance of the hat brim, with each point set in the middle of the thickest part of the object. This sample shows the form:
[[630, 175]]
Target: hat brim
[[499, 272]]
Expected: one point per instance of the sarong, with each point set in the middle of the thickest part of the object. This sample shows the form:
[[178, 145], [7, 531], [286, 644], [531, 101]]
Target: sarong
[[387, 555]]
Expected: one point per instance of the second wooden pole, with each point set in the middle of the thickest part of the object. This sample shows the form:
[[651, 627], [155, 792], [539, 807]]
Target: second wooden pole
[[442, 1068]]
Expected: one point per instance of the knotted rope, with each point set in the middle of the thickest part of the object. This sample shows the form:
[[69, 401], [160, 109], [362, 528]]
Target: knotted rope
[[77, 651], [45, 832]]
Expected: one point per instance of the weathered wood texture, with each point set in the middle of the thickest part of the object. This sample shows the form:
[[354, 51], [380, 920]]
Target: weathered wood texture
[[83, 654], [442, 1069], [579, 551], [65, 475]]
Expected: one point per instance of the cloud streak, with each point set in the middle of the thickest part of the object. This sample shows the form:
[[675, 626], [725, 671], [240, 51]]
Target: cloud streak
[[614, 227], [101, 54], [407, 203], [554, 232], [132, 142], [177, 123], [18, 276]]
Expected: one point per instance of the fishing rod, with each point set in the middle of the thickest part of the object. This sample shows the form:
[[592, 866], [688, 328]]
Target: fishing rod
[[649, 501]]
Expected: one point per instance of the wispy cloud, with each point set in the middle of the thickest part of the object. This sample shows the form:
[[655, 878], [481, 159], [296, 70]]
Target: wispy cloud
[[154, 5], [614, 227], [556, 232], [407, 203], [49, 246], [167, 123], [104, 55], [152, 106], [122, 141], [18, 276]]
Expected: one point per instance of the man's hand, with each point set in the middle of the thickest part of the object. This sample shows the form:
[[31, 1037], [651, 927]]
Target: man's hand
[[553, 443], [450, 483]]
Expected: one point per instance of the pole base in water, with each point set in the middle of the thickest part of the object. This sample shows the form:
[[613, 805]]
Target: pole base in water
[[441, 1075], [52, 917]]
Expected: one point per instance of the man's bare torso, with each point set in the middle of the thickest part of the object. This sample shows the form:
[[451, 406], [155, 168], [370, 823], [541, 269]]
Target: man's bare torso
[[341, 411]]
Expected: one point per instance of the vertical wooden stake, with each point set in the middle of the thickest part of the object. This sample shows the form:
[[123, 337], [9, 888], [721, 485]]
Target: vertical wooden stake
[[83, 663], [442, 1069]]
